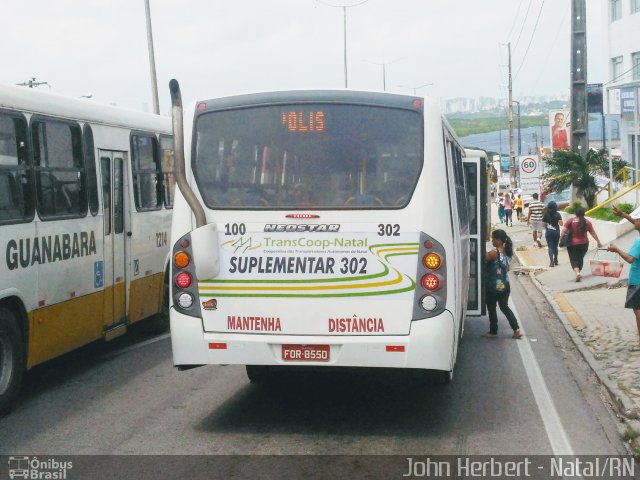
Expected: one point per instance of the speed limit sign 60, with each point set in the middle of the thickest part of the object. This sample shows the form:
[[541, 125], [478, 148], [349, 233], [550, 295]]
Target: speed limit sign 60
[[529, 165]]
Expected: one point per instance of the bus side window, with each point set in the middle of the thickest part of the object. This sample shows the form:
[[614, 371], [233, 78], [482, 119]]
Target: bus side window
[[60, 173], [147, 173], [168, 179], [90, 166], [15, 190]]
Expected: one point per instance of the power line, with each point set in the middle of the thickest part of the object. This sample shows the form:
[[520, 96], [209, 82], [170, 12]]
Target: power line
[[514, 20], [622, 75], [535, 27], [544, 64], [524, 22]]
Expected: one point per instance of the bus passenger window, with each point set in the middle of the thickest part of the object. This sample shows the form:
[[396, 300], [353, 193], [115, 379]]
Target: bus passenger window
[[60, 180], [15, 200], [90, 166], [147, 173], [168, 179]]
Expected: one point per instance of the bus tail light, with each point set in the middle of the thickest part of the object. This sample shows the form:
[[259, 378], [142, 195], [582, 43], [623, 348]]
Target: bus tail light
[[429, 303], [186, 299], [181, 259], [432, 261], [430, 298], [183, 280], [430, 282]]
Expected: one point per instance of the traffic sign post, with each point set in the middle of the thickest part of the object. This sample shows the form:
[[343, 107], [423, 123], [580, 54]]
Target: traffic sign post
[[530, 174]]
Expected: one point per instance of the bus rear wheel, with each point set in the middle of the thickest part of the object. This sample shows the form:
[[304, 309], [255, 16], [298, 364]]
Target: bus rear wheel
[[159, 323], [11, 359], [257, 373]]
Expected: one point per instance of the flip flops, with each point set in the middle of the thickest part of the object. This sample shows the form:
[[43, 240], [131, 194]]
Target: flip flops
[[517, 334], [489, 335]]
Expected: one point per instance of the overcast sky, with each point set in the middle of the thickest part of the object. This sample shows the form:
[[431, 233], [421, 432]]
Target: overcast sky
[[222, 47]]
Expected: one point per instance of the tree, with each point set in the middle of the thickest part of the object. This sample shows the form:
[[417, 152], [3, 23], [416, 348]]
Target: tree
[[568, 167]]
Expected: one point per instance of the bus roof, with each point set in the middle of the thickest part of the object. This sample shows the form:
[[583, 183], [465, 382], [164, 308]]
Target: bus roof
[[46, 103], [313, 96]]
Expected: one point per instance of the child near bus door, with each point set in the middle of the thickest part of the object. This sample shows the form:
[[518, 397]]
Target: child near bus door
[[498, 287]]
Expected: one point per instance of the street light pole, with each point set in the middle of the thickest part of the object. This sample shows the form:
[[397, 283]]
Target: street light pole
[[152, 61], [384, 70], [415, 89], [344, 21]]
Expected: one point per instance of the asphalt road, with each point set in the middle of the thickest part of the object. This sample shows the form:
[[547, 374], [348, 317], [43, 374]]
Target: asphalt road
[[527, 397]]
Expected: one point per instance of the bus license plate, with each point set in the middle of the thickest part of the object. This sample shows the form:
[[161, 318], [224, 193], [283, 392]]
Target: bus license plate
[[305, 353]]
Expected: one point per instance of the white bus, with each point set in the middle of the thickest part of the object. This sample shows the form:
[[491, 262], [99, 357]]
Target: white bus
[[85, 198], [328, 228]]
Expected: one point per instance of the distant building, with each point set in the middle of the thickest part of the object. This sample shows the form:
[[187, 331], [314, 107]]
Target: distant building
[[622, 60]]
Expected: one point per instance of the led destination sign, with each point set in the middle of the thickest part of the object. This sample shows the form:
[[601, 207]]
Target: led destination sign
[[303, 121]]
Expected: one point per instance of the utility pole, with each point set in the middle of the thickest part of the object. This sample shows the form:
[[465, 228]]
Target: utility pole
[[512, 153], [519, 136], [579, 113], [152, 61]]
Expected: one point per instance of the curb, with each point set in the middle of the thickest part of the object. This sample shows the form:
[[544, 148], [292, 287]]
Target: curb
[[625, 405]]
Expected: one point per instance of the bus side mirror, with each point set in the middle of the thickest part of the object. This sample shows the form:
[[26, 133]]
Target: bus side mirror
[[204, 242]]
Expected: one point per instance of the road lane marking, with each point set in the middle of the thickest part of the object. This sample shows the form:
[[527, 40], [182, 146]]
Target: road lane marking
[[558, 438], [136, 346]]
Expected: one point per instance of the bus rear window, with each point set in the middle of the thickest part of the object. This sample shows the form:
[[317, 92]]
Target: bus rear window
[[308, 156]]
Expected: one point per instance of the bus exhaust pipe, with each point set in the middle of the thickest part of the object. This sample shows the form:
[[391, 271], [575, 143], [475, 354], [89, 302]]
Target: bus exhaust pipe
[[179, 165]]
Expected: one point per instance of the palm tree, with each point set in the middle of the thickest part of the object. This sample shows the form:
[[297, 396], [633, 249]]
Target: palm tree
[[568, 167]]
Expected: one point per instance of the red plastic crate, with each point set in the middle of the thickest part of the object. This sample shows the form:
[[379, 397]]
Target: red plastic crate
[[606, 268]]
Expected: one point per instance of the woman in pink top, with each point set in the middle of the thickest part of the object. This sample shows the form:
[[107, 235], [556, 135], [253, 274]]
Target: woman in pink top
[[579, 226], [508, 209]]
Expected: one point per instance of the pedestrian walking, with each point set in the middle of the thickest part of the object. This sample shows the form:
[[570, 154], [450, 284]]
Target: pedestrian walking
[[552, 221], [498, 287], [631, 257], [517, 206], [579, 242], [500, 203], [534, 218], [508, 209]]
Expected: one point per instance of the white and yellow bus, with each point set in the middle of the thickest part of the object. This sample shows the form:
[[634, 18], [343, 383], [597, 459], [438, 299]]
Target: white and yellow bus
[[85, 198], [324, 228]]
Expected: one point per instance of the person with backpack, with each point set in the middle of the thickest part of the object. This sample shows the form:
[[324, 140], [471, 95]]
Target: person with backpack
[[498, 288], [552, 221], [577, 227]]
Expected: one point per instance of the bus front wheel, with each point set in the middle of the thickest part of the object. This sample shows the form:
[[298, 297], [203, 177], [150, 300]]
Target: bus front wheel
[[11, 359]]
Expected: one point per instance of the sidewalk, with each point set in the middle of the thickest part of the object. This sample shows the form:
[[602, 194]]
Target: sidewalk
[[592, 311]]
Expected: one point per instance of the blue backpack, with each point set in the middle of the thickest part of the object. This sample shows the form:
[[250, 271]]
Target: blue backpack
[[498, 274]]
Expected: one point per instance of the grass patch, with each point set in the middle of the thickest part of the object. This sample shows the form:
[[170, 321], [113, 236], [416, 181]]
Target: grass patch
[[607, 214], [630, 434], [572, 208]]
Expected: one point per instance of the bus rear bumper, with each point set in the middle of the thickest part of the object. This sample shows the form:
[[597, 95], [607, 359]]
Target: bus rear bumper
[[429, 345]]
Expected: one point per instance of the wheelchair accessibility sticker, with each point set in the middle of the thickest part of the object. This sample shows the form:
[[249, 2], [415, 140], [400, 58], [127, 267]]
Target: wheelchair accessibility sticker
[[98, 274]]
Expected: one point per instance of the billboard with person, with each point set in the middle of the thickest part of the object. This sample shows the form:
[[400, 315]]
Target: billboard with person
[[559, 124]]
